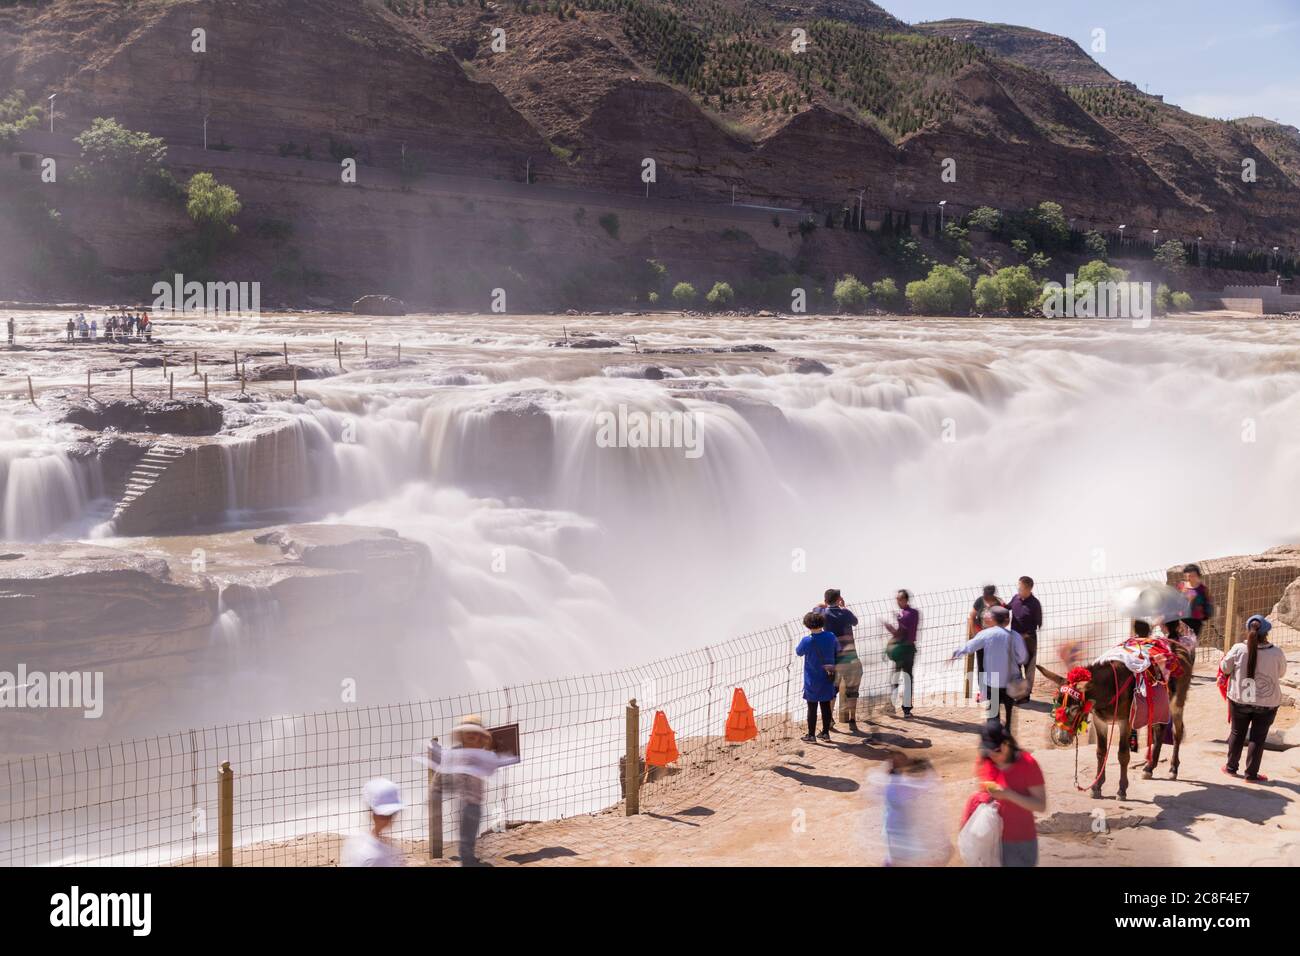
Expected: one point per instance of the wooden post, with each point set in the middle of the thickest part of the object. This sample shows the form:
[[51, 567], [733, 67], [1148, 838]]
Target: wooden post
[[226, 815], [632, 761], [286, 353], [130, 375], [87, 381], [367, 345], [31, 393], [435, 812], [338, 352], [243, 382], [236, 360], [399, 353], [1230, 614], [295, 379], [171, 385], [196, 362], [164, 365], [205, 386]]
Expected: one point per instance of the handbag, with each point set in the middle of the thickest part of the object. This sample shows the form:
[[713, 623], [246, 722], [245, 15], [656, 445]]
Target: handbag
[[980, 840]]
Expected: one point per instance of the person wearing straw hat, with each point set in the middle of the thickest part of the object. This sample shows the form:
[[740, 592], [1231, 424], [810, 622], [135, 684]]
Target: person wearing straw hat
[[466, 767], [384, 801], [1254, 669]]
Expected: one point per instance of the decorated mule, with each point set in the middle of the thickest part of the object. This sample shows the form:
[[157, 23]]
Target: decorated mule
[[1141, 683]]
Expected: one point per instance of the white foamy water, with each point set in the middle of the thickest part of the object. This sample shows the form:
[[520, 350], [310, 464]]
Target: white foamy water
[[936, 454]]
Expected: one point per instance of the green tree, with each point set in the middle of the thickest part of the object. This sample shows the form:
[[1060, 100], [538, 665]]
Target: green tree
[[945, 291], [1180, 302], [988, 295], [16, 115], [1094, 243], [684, 294], [116, 156], [720, 296], [211, 205], [1017, 288], [1172, 258], [986, 218], [1099, 271], [1048, 225], [851, 294], [885, 293]]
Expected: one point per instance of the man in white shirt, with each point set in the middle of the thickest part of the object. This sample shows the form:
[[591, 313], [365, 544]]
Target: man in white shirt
[[384, 800]]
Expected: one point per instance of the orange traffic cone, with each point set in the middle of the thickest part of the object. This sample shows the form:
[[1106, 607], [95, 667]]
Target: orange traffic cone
[[740, 722], [662, 749]]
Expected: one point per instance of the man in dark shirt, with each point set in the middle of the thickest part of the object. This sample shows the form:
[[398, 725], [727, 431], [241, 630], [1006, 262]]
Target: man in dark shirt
[[840, 621], [1026, 619], [902, 646]]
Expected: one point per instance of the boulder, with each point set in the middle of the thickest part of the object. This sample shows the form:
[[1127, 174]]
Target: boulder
[[807, 366], [378, 305]]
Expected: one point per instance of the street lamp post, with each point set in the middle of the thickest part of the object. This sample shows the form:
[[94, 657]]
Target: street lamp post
[[205, 130], [942, 203], [52, 95]]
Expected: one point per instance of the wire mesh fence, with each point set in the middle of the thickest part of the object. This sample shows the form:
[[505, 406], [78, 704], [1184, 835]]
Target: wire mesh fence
[[297, 779]]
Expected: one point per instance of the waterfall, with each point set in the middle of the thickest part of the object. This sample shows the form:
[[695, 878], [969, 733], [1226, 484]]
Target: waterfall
[[44, 490]]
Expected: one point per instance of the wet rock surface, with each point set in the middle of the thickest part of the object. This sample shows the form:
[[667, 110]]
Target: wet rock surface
[[181, 416], [379, 305]]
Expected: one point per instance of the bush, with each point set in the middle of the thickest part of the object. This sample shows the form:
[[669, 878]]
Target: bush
[[114, 155], [1164, 299], [211, 205], [945, 291], [1099, 271], [653, 298], [988, 295], [1180, 302], [885, 293], [720, 296], [684, 294], [851, 294]]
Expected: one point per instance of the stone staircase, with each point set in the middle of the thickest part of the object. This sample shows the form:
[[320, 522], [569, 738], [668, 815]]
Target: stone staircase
[[146, 473]]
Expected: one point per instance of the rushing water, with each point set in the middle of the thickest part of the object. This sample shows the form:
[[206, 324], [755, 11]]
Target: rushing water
[[935, 453]]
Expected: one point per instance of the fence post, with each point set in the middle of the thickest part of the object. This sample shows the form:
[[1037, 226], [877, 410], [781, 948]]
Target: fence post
[[286, 353], [435, 812], [196, 362], [226, 815], [87, 381], [205, 386], [131, 379], [632, 761], [31, 392], [295, 379], [1230, 614], [171, 385]]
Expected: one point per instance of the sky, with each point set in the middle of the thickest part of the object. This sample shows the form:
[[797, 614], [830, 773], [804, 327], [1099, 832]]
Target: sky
[[1215, 58]]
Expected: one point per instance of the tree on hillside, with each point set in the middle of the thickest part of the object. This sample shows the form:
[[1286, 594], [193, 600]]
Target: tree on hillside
[[684, 294], [211, 205], [851, 294], [113, 155], [1172, 258], [16, 115], [721, 295], [945, 291]]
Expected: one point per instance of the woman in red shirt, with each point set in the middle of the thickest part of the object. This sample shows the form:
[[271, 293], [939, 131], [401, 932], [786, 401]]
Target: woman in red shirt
[[1011, 777]]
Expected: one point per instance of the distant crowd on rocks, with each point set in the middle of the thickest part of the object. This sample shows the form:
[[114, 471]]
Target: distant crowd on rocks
[[119, 326]]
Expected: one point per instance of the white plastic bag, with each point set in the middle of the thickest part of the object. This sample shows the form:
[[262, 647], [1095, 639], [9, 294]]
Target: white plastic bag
[[980, 840]]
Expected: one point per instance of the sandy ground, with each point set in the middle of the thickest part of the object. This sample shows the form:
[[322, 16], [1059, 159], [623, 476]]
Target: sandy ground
[[792, 803]]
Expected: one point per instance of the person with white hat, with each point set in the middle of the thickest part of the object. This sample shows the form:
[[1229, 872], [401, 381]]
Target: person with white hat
[[1254, 670], [384, 801], [466, 767]]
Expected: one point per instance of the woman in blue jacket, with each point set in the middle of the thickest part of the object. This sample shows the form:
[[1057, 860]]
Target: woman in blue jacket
[[818, 651]]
